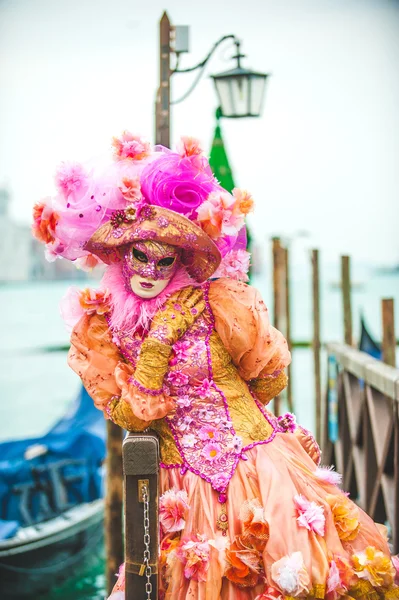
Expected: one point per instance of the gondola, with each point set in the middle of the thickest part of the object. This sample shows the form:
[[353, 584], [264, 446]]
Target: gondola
[[51, 502], [367, 342]]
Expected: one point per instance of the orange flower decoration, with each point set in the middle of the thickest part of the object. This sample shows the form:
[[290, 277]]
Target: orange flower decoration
[[168, 547], [244, 201], [94, 301], [189, 146], [130, 189], [243, 564], [130, 146], [256, 528], [88, 262], [346, 516], [374, 566], [44, 223]]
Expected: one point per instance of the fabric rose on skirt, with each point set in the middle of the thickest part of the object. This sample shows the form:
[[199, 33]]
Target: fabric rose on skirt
[[255, 526], [194, 554], [243, 564], [374, 566], [311, 515], [290, 574], [346, 516], [338, 580], [173, 509]]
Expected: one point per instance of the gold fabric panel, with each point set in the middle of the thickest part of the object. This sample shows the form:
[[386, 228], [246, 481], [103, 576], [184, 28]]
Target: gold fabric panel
[[248, 421], [169, 452], [267, 388], [152, 353], [122, 415]]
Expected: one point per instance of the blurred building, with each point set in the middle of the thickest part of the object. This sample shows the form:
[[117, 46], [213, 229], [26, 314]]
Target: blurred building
[[22, 257], [15, 245]]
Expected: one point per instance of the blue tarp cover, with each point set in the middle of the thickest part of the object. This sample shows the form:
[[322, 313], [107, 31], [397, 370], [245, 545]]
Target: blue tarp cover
[[75, 450]]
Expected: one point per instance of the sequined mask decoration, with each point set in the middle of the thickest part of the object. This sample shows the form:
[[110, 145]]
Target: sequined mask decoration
[[151, 260]]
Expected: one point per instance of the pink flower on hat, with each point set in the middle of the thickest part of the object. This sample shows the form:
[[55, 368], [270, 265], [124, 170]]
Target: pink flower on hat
[[234, 265], [173, 510], [244, 201], [44, 222], [131, 189], [88, 262], [189, 146], [70, 177], [219, 215], [130, 146]]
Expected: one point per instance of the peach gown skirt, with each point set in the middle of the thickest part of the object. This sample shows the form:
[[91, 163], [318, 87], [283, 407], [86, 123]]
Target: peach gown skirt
[[222, 566]]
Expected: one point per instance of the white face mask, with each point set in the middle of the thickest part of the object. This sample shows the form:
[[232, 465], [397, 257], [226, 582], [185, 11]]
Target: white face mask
[[149, 266], [147, 288]]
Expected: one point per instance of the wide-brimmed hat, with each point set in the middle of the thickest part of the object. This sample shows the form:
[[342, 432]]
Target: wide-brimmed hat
[[146, 193], [200, 255]]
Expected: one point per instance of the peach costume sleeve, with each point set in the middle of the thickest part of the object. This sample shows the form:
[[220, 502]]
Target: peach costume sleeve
[[259, 351], [107, 377]]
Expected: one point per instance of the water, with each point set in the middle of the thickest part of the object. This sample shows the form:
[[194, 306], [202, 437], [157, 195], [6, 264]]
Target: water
[[37, 387]]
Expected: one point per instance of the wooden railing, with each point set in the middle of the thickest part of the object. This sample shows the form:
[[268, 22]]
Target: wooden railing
[[361, 436]]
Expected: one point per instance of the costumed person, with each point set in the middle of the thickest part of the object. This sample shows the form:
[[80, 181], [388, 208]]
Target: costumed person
[[175, 340]]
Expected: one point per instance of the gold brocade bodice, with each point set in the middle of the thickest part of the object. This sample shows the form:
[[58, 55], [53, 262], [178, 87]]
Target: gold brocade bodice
[[248, 421]]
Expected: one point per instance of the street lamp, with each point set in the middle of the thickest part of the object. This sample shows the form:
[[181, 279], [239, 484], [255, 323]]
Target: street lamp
[[240, 91]]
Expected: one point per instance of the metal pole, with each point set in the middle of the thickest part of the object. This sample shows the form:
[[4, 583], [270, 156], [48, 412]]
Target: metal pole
[[288, 324], [279, 299], [316, 340], [346, 298], [388, 332], [113, 503], [162, 108]]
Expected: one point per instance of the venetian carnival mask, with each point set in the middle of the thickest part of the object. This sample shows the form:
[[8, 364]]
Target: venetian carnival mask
[[149, 266]]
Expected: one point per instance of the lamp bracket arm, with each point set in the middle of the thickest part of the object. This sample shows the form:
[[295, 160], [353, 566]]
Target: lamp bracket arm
[[202, 64]]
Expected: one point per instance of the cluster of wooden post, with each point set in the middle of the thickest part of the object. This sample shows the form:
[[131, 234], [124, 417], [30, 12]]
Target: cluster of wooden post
[[282, 319]]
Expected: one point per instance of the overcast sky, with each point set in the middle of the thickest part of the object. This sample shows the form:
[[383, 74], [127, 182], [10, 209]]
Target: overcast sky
[[323, 157]]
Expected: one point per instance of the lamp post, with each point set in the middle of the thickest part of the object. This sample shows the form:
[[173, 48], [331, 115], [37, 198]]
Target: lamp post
[[239, 90]]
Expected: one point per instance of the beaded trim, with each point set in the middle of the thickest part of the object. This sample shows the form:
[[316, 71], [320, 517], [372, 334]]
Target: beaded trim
[[272, 422], [145, 390]]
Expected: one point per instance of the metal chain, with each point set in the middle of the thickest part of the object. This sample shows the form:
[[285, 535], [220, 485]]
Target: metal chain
[[147, 555]]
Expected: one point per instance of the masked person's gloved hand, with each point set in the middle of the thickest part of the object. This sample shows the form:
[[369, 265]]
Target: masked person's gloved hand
[[169, 324]]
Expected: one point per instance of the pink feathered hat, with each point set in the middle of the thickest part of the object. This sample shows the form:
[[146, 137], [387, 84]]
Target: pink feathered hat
[[146, 194]]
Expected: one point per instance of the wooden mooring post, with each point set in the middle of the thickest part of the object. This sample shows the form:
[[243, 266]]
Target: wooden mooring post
[[113, 504], [141, 477], [388, 332], [346, 299]]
